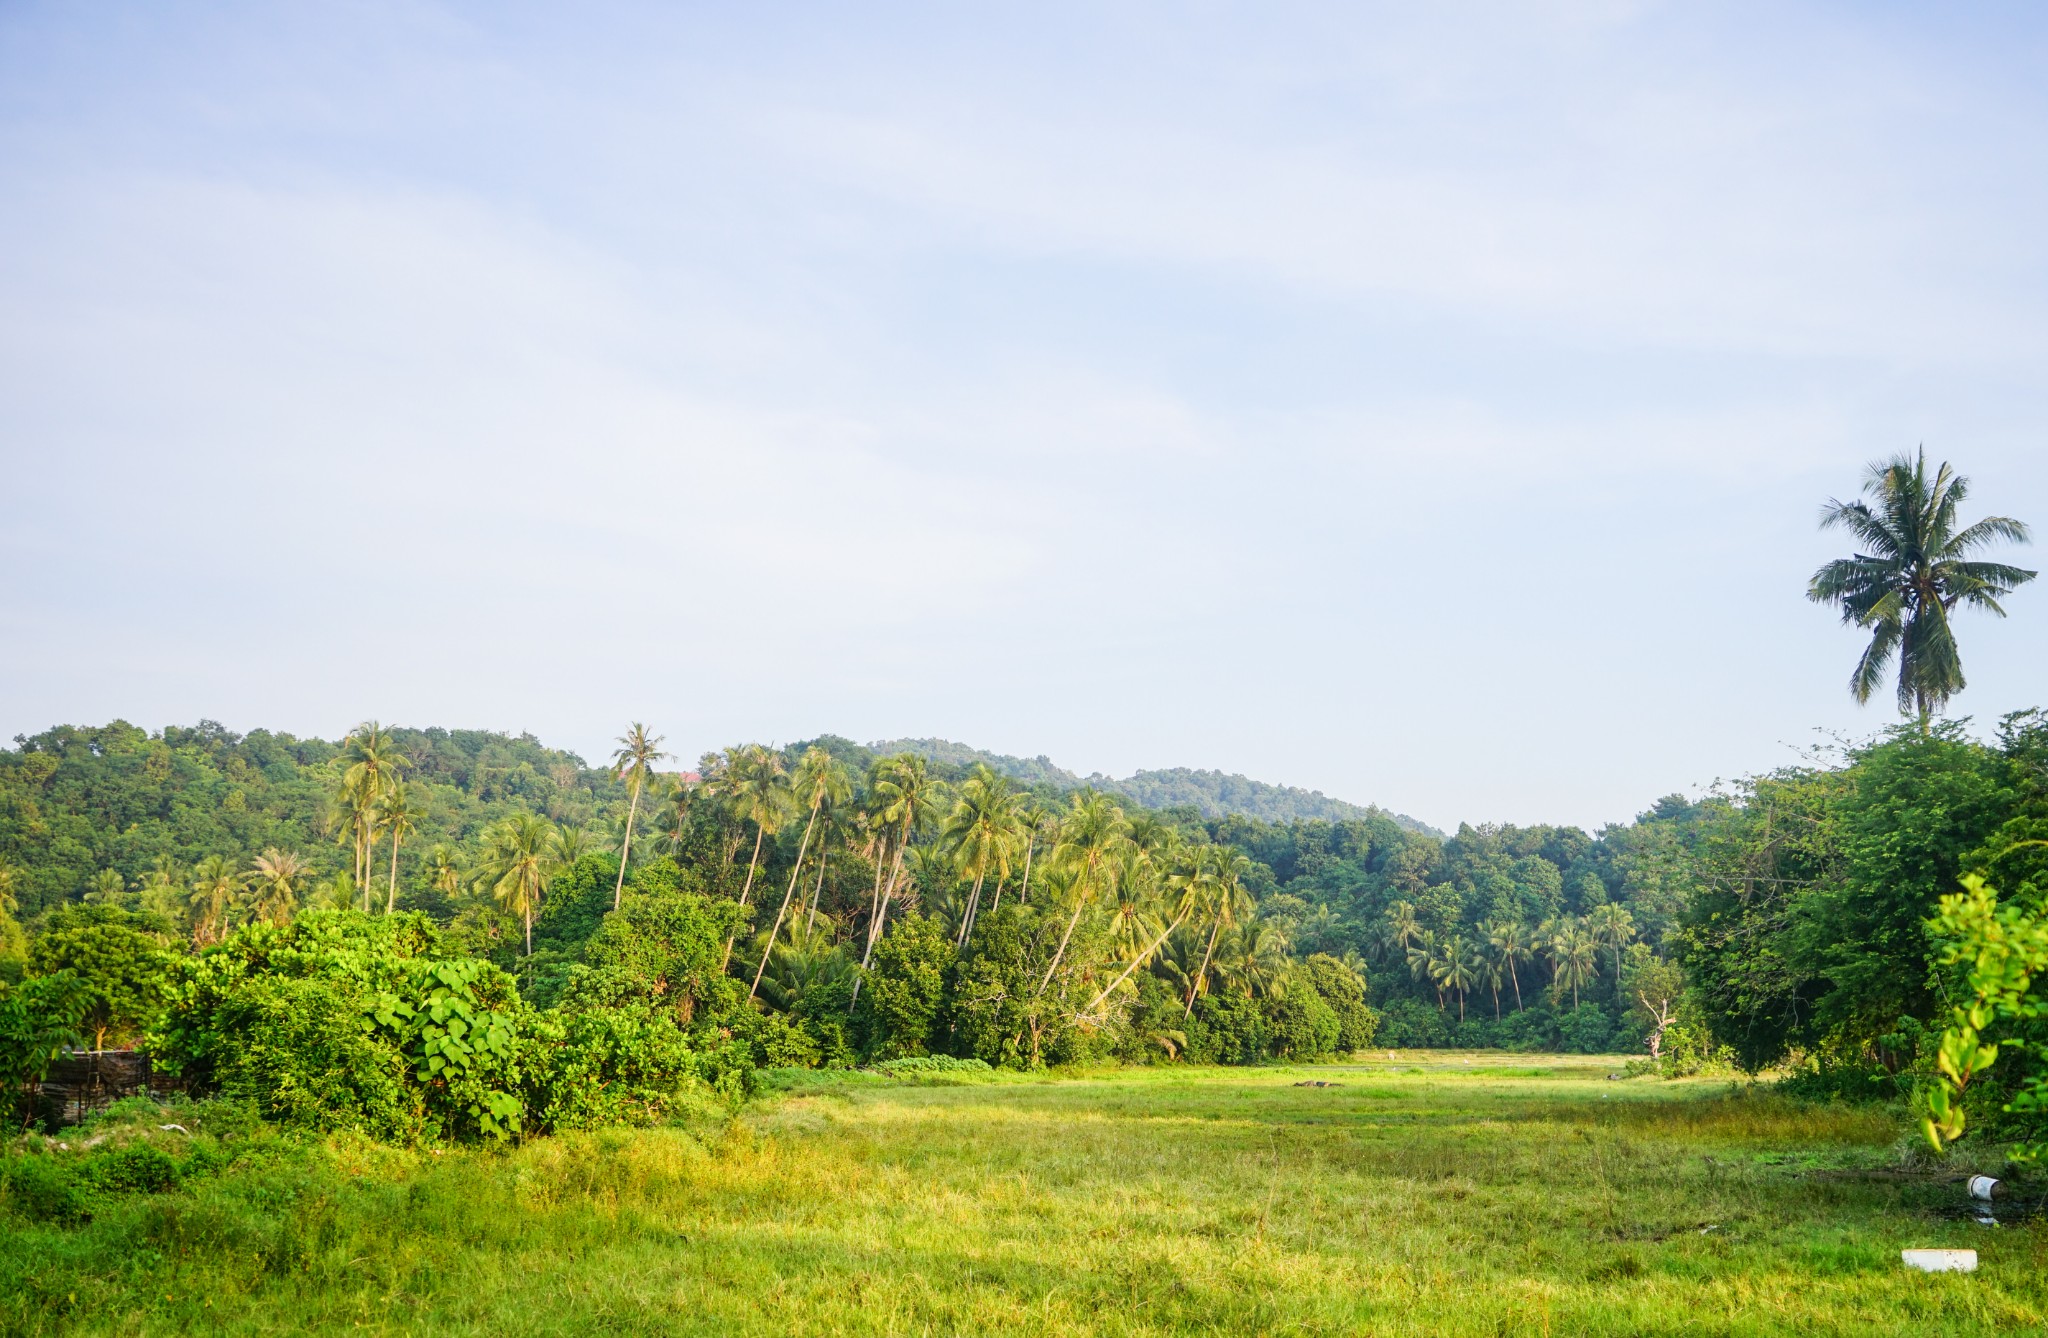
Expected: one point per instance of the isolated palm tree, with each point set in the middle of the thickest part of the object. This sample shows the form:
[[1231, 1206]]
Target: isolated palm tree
[[634, 760], [1915, 570], [819, 780], [399, 816], [275, 877], [518, 861], [1091, 832]]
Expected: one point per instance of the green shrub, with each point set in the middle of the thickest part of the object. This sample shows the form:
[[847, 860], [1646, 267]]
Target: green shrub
[[903, 990]]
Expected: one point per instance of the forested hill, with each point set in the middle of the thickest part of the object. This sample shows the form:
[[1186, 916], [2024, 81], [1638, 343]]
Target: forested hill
[[1215, 793]]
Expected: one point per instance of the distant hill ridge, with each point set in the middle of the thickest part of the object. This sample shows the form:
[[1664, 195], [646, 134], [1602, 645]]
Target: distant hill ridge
[[1215, 793]]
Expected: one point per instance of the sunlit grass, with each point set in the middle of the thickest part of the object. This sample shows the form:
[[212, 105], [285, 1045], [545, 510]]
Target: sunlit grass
[[1461, 1194]]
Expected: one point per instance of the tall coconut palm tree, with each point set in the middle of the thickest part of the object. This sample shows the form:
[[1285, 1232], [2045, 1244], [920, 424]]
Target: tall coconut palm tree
[[444, 873], [980, 833], [755, 788], [634, 760], [1188, 884], [107, 888], [1090, 834], [1456, 970], [820, 780], [276, 877], [1038, 823], [1228, 905], [518, 862], [1509, 940], [1424, 959], [1612, 927], [1400, 926], [370, 761], [907, 796], [1917, 568], [159, 892], [215, 885], [399, 816], [1573, 954]]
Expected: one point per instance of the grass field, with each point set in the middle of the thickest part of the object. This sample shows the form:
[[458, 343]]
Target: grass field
[[1454, 1194]]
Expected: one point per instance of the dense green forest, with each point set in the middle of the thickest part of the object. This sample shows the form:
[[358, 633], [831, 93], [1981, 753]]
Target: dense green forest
[[425, 931]]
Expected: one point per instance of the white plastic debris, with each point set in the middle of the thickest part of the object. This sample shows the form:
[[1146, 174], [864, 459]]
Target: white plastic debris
[[1983, 1187], [1940, 1261], [179, 1127]]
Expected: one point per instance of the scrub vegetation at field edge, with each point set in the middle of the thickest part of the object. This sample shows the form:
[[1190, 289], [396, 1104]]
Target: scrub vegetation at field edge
[[1439, 1192]]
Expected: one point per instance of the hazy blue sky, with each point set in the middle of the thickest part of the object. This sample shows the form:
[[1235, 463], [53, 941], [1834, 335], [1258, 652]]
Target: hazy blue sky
[[1426, 404]]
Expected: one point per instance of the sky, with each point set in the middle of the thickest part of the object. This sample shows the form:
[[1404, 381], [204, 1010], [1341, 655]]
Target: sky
[[1430, 405]]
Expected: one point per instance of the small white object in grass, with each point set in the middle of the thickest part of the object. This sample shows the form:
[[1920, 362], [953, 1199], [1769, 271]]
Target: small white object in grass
[[179, 1127], [1983, 1187], [1705, 1229], [1940, 1261]]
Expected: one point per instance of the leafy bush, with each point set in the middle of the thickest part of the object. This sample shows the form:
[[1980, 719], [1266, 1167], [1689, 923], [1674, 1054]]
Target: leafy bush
[[1587, 1030], [1299, 1025], [903, 992], [1226, 1029]]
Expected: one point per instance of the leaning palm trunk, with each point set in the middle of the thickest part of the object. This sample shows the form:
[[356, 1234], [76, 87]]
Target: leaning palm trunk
[[817, 890], [1024, 892], [1135, 963], [881, 915], [626, 849], [803, 848], [1202, 973], [967, 917], [1061, 951], [745, 892]]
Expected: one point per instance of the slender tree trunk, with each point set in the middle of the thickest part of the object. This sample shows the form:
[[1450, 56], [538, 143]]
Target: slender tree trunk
[[1496, 999], [529, 925], [967, 916], [626, 849], [1024, 892], [881, 915], [752, 864], [391, 890], [817, 891], [996, 902], [1135, 962], [1518, 984], [1202, 971], [1079, 902], [802, 848]]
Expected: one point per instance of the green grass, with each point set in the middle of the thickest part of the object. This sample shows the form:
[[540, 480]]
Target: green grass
[[1439, 1193]]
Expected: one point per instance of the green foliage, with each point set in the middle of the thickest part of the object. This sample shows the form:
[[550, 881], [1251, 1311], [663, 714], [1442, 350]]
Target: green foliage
[[903, 996], [1342, 990], [38, 1019], [2003, 950], [118, 973]]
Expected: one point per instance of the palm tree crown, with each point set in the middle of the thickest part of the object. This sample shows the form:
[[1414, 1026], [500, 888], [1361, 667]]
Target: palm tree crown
[[1916, 569]]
